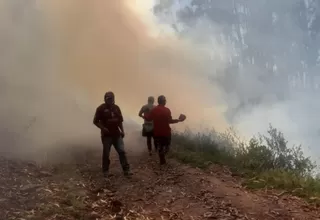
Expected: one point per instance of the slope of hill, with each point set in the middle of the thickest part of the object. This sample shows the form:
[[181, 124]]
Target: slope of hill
[[76, 190]]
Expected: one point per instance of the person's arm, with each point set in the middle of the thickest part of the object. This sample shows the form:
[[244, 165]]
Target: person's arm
[[97, 119], [120, 120], [121, 127], [141, 112], [172, 121]]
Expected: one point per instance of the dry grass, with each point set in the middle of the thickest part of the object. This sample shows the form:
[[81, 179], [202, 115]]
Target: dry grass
[[265, 161]]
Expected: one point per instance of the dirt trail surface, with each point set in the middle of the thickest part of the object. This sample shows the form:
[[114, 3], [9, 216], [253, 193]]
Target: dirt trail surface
[[78, 191]]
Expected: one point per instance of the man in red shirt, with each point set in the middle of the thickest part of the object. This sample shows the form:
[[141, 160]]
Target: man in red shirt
[[161, 117], [108, 118]]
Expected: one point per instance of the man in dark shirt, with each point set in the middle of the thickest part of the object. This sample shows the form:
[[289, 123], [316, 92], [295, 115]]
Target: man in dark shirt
[[108, 118], [161, 117]]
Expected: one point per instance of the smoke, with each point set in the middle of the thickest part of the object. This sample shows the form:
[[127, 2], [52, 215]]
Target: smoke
[[112, 49], [59, 57], [272, 47]]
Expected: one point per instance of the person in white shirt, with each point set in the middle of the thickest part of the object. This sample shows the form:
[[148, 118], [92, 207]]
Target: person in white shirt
[[147, 127]]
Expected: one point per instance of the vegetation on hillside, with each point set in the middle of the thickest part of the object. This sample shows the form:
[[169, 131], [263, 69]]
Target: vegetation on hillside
[[264, 161]]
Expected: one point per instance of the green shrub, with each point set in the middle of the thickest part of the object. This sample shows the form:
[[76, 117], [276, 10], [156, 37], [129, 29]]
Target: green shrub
[[266, 161]]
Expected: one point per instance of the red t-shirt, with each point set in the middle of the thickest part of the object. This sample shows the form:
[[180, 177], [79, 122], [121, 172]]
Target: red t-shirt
[[161, 117], [103, 113]]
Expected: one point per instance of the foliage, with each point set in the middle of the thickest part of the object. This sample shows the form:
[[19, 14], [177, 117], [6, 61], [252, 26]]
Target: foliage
[[265, 161]]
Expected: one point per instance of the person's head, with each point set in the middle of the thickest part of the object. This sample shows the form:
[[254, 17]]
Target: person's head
[[150, 100], [162, 100], [109, 98]]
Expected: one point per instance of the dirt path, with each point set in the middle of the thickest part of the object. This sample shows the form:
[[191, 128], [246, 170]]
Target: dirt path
[[78, 191]]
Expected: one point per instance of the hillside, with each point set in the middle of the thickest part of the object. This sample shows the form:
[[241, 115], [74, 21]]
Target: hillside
[[76, 190]]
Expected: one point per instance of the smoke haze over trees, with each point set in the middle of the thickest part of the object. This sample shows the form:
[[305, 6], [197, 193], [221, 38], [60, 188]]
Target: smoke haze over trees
[[273, 59]]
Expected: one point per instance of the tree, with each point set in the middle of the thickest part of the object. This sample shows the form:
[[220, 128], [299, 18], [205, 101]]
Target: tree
[[278, 37]]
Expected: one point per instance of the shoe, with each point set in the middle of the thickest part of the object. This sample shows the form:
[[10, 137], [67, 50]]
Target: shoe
[[105, 174], [162, 159], [127, 173]]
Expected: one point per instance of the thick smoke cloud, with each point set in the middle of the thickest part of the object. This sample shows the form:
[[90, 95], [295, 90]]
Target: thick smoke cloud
[[274, 50], [59, 57]]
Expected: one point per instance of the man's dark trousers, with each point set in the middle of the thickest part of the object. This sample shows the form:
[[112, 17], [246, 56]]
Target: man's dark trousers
[[118, 144]]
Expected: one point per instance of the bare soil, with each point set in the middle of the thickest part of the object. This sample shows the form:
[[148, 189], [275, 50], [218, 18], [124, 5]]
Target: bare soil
[[77, 190]]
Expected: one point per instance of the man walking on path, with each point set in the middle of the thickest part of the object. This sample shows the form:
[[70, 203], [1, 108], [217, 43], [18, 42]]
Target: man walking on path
[[161, 117], [147, 127], [108, 118]]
